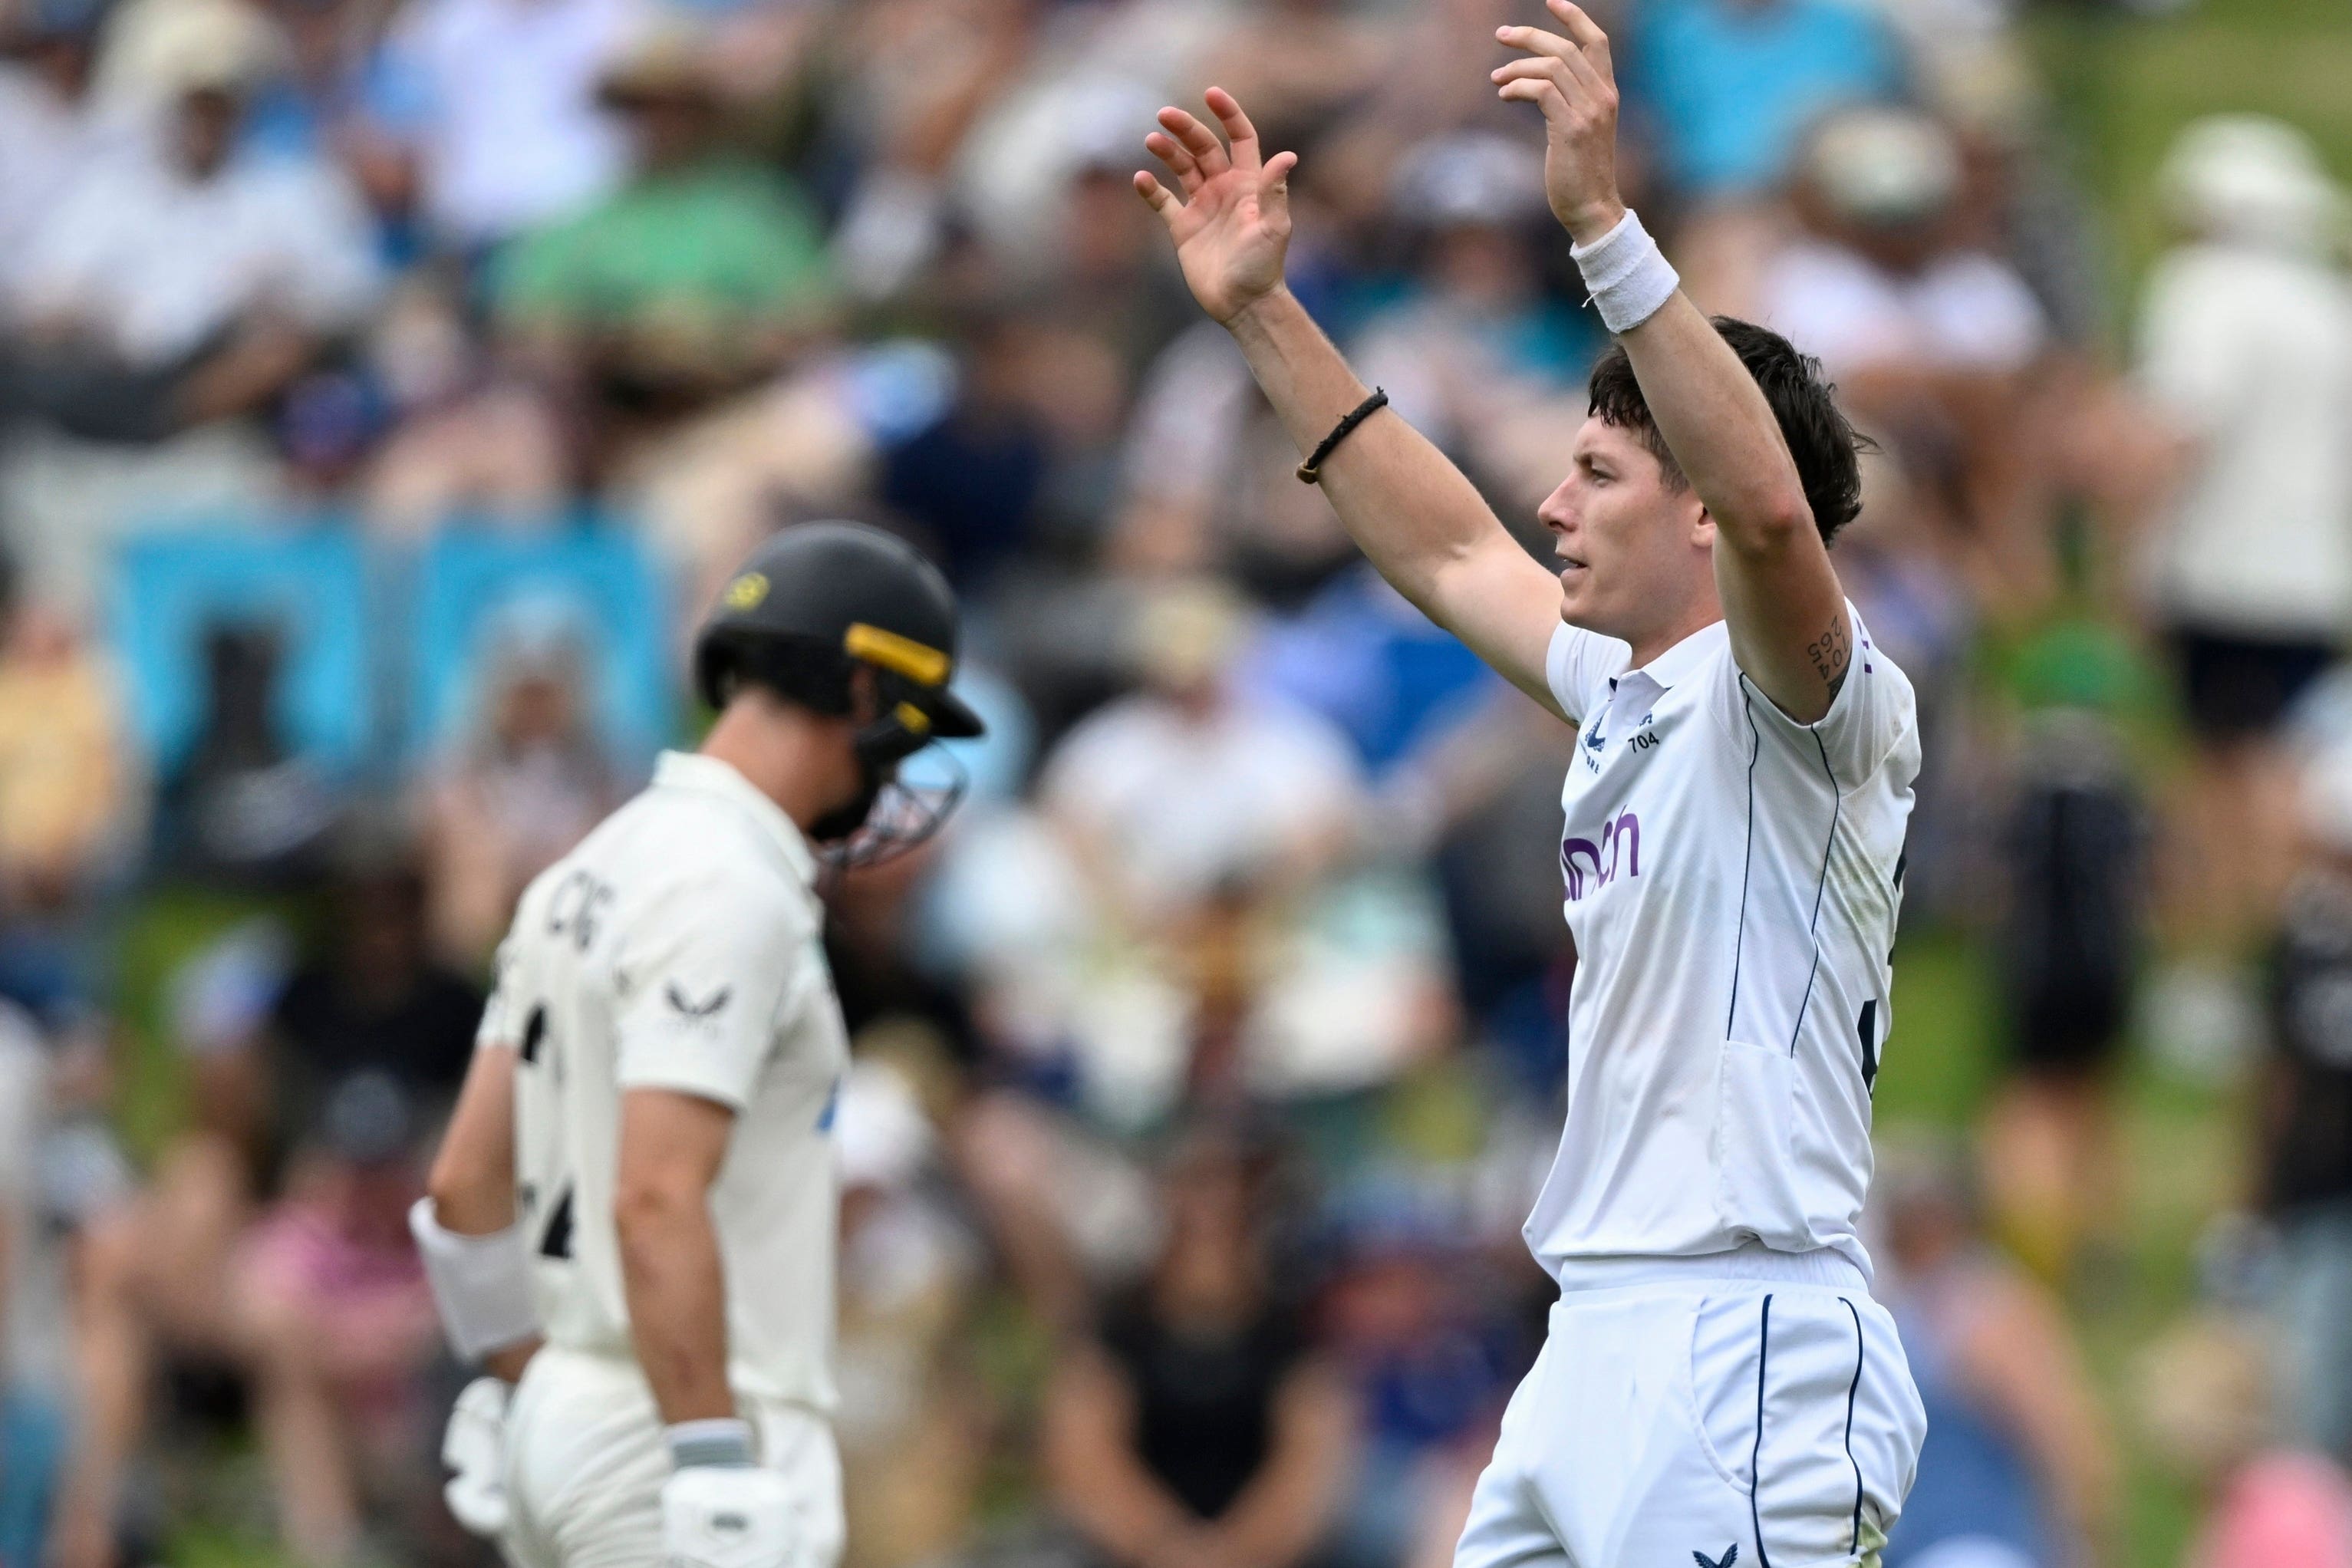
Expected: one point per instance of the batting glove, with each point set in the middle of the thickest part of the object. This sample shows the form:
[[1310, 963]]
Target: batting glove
[[474, 1447], [720, 1509]]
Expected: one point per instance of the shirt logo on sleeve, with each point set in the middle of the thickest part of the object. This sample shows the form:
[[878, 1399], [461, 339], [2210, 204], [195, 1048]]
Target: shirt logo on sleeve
[[707, 1007]]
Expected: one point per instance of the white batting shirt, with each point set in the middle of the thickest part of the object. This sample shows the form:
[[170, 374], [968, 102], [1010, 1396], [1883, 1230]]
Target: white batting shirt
[[679, 947], [1732, 882]]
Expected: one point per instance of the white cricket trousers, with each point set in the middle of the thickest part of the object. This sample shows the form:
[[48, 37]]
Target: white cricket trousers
[[586, 1459], [1747, 1408]]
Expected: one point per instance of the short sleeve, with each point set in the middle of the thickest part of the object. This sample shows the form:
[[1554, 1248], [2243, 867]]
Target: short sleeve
[[1577, 662], [1873, 713], [704, 979]]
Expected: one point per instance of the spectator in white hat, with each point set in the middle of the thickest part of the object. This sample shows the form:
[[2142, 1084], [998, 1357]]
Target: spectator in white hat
[[2246, 349]]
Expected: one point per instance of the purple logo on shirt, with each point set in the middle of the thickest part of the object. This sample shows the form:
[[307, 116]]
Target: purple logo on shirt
[[1582, 861]]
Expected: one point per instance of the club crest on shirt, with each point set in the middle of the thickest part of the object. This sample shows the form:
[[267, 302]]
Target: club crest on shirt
[[707, 1007]]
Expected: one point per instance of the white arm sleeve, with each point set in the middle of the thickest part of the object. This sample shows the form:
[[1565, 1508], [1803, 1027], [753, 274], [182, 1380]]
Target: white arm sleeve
[[481, 1284]]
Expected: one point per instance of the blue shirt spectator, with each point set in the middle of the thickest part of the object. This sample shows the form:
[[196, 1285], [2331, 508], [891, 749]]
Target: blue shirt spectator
[[1731, 85]]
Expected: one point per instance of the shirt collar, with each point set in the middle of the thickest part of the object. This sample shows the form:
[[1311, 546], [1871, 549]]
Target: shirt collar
[[1681, 658], [692, 770]]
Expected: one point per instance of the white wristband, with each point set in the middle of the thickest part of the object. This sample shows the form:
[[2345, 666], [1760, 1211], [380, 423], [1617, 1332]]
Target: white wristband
[[481, 1284], [1629, 276]]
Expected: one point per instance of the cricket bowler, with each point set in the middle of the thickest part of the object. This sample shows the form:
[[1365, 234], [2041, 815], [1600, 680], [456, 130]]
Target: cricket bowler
[[1718, 1386]]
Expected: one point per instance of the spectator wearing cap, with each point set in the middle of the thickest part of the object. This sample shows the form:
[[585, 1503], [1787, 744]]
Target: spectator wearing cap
[[1879, 281], [1929, 335], [701, 273], [162, 309], [194, 283], [2246, 352]]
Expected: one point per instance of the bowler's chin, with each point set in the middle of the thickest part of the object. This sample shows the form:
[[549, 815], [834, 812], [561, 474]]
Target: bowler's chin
[[1572, 608]]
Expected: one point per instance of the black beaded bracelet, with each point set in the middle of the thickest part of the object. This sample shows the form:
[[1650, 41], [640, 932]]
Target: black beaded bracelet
[[1311, 471]]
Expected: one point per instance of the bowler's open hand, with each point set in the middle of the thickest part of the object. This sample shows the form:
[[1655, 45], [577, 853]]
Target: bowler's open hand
[[1571, 80], [1232, 224]]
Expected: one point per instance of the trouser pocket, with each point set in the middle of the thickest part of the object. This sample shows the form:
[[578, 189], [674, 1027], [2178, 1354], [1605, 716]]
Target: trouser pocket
[[1804, 1402]]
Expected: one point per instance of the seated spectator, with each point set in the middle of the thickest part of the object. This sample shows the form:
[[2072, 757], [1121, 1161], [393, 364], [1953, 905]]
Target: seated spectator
[[498, 97], [65, 777], [1187, 789], [528, 780], [2246, 352], [1729, 86], [977, 477], [699, 275], [336, 1318], [1369, 662], [2019, 1465], [1175, 931], [372, 998], [1303, 65], [1930, 338], [912, 1445], [338, 99], [1478, 353], [469, 439], [1199, 1428], [192, 283], [171, 1289], [55, 132], [1433, 1357], [1877, 282]]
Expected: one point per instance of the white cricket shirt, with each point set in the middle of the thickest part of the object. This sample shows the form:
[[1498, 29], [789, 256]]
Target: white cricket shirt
[[1732, 880], [679, 947]]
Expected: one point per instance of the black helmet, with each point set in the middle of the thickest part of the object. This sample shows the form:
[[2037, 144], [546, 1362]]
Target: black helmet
[[812, 605]]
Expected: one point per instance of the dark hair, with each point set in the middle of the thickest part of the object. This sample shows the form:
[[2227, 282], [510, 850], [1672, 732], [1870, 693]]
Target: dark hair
[[1820, 439]]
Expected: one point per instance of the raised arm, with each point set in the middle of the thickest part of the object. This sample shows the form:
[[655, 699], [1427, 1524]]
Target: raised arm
[[1787, 614], [1421, 522]]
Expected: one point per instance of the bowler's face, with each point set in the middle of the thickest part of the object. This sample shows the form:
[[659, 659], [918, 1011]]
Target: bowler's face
[[1622, 536]]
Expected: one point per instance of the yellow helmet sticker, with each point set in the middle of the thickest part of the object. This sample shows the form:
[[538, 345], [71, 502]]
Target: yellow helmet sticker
[[746, 591], [922, 665]]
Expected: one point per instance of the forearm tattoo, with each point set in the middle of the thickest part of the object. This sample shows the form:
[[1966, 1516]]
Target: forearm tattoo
[[1831, 655]]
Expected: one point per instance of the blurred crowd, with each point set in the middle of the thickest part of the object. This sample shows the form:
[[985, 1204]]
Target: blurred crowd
[[385, 385]]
